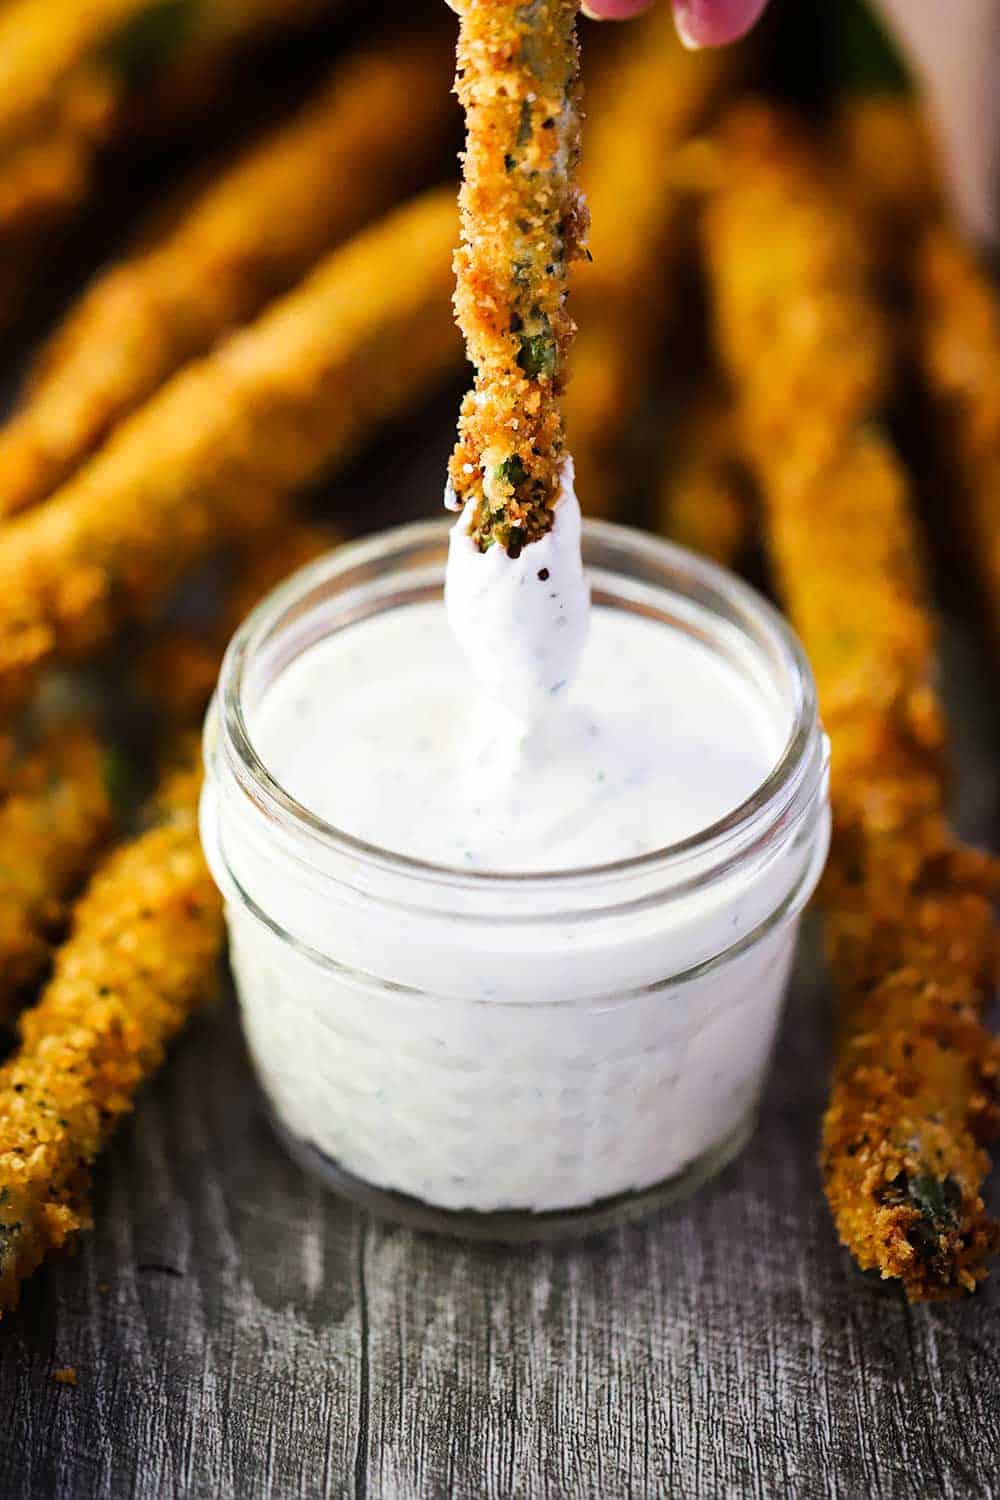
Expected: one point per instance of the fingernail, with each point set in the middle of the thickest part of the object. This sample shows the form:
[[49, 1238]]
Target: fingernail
[[688, 39], [590, 14]]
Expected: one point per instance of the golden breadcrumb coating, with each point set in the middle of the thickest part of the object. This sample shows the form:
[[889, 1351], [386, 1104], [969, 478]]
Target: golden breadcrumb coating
[[140, 958], [705, 501], [248, 234], [217, 451], [55, 815], [910, 928], [957, 317], [522, 225], [644, 104]]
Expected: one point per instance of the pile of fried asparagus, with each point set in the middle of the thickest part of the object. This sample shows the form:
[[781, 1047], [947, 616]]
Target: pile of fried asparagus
[[258, 335]]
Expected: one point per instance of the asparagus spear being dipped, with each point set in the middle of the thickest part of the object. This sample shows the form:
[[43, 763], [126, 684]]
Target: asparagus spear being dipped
[[522, 226]]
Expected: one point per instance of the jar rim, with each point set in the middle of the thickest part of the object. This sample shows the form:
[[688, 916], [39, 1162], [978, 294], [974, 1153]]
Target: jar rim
[[781, 787]]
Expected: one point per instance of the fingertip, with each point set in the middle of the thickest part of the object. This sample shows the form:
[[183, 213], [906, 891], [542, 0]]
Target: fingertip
[[613, 10], [713, 23]]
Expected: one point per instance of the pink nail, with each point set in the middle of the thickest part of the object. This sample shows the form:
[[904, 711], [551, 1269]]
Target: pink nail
[[712, 23], [613, 10]]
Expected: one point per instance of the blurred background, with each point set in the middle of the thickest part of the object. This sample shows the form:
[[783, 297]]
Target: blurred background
[[226, 331]]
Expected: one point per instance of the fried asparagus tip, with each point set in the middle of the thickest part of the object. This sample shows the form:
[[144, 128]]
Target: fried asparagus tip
[[522, 225], [909, 924], [140, 958], [246, 236]]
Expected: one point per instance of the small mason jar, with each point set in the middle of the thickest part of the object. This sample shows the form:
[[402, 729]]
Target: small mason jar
[[423, 1040]]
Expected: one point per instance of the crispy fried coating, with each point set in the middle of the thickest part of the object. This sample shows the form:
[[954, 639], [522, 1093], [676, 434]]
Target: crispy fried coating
[[216, 453], [909, 924], [640, 110], [140, 958], [55, 816], [522, 224], [957, 318], [245, 236], [704, 499], [70, 71]]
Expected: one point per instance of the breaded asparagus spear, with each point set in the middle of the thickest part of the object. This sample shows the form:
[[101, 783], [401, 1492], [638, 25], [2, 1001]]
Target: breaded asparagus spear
[[247, 235], [522, 222], [140, 958], [640, 111], [220, 447], [957, 318], [909, 924], [55, 814], [69, 71]]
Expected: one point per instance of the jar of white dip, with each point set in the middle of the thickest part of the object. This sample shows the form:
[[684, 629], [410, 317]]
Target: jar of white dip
[[463, 1012]]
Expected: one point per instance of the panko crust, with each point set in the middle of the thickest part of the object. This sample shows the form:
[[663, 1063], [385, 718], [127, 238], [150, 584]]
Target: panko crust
[[910, 928], [140, 958], [523, 223]]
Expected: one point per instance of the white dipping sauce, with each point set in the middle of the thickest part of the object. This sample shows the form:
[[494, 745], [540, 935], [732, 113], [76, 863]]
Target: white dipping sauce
[[381, 731], [523, 642], [487, 1045]]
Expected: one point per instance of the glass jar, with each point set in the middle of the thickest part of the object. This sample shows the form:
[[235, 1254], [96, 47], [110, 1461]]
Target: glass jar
[[412, 1025]]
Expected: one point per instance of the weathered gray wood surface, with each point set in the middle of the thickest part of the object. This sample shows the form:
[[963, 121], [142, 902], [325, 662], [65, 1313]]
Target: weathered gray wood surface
[[238, 1333]]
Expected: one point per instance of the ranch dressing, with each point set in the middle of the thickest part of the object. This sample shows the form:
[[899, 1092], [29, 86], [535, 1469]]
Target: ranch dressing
[[383, 731], [439, 1005], [521, 621]]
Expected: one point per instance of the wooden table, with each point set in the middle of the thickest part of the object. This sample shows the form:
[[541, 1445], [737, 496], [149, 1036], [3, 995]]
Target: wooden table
[[236, 1332]]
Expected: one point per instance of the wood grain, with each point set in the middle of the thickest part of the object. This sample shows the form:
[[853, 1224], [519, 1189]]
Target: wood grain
[[236, 1332]]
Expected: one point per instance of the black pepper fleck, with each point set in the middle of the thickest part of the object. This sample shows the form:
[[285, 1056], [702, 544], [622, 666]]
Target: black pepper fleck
[[543, 574]]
